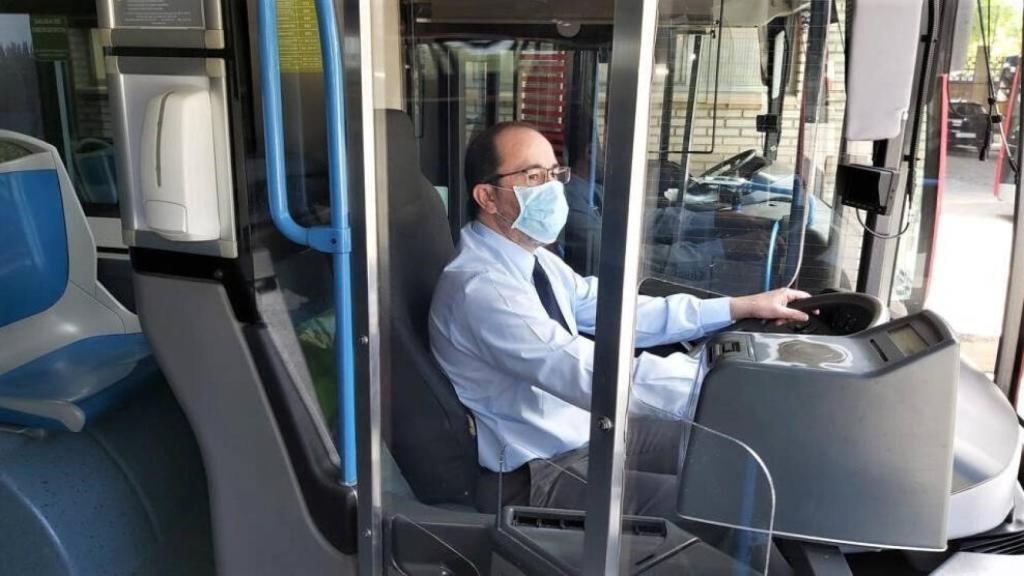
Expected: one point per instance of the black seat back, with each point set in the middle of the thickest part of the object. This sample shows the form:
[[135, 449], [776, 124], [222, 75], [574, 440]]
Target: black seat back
[[430, 432]]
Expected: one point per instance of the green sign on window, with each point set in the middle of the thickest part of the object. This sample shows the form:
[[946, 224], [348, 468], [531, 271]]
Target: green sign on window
[[50, 37]]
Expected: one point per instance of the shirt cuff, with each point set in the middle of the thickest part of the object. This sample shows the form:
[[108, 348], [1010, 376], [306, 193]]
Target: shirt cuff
[[714, 314]]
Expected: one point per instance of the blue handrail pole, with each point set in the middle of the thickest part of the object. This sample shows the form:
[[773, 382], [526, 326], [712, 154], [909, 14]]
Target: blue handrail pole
[[334, 93], [335, 239], [273, 130]]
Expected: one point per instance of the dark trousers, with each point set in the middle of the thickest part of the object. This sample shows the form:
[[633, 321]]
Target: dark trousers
[[652, 456]]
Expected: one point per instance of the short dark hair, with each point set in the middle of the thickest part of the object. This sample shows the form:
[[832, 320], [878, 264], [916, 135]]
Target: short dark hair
[[482, 159]]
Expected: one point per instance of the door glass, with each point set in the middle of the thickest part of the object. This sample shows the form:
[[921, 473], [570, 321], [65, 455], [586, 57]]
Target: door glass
[[293, 282], [955, 256]]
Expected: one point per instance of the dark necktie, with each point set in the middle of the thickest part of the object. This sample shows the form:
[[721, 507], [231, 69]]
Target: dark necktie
[[547, 295]]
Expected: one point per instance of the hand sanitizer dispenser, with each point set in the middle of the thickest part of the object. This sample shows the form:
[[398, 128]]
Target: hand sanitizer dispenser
[[177, 167]]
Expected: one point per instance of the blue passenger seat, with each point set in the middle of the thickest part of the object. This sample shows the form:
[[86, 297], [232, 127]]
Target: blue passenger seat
[[69, 351], [82, 495]]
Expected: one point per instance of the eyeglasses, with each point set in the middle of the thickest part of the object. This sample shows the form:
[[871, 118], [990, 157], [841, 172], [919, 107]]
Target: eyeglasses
[[538, 176]]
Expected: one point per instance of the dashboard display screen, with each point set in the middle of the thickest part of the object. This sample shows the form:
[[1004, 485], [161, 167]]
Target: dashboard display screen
[[908, 340]]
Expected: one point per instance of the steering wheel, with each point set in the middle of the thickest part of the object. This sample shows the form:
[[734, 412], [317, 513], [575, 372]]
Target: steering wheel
[[838, 314], [731, 164]]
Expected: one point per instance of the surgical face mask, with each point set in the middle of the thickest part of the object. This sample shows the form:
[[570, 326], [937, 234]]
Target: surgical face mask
[[543, 211]]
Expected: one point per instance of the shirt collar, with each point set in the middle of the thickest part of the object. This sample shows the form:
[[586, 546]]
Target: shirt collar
[[522, 259]]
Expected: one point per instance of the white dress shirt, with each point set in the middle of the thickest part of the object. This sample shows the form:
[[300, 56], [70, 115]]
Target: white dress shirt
[[525, 378]]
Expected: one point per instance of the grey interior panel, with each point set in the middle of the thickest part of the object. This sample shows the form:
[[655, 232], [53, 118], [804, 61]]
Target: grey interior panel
[[252, 484], [856, 431]]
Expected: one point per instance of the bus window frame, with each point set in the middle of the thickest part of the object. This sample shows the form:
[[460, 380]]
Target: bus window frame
[[363, 29], [1010, 356]]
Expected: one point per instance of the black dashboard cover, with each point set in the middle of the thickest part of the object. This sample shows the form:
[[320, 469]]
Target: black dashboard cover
[[855, 431]]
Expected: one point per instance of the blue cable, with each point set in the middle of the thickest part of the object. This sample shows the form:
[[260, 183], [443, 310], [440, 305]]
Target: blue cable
[[771, 256], [336, 238]]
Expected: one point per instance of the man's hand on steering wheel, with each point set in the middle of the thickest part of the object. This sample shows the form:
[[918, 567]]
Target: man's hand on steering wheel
[[772, 305]]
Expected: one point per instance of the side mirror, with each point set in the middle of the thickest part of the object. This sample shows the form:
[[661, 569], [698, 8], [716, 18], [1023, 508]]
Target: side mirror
[[882, 56]]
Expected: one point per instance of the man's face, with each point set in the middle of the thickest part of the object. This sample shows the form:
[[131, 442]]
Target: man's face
[[518, 149]]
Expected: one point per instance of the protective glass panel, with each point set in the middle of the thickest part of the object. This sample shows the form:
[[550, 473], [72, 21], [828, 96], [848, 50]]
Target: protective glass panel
[[740, 185], [474, 411], [419, 551], [701, 482], [694, 501]]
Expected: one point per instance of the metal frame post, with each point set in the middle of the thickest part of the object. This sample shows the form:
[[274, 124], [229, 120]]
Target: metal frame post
[[629, 104], [1009, 358], [691, 101], [668, 94], [370, 226]]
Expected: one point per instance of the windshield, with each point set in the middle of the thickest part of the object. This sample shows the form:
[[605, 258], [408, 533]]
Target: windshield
[[744, 143]]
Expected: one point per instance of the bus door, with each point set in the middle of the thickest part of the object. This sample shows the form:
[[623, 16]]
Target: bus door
[[220, 138], [958, 240]]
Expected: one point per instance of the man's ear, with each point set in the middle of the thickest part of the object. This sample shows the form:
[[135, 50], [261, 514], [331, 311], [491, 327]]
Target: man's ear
[[484, 198]]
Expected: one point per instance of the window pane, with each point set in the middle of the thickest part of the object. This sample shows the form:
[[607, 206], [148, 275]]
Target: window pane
[[57, 62], [293, 282]]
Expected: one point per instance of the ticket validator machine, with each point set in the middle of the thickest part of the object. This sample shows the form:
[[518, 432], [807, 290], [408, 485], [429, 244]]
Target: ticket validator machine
[[871, 438]]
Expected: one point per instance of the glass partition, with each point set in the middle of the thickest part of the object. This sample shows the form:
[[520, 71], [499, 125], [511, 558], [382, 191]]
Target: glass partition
[[486, 452], [694, 501], [724, 494], [477, 421]]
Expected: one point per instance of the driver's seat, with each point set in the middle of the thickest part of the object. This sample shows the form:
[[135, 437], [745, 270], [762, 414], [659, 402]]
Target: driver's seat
[[430, 433]]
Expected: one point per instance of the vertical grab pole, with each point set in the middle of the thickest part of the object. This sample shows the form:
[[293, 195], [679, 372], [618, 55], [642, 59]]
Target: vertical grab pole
[[335, 239], [273, 131], [334, 87]]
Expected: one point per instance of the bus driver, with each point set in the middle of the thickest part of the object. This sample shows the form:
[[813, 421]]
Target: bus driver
[[507, 325]]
